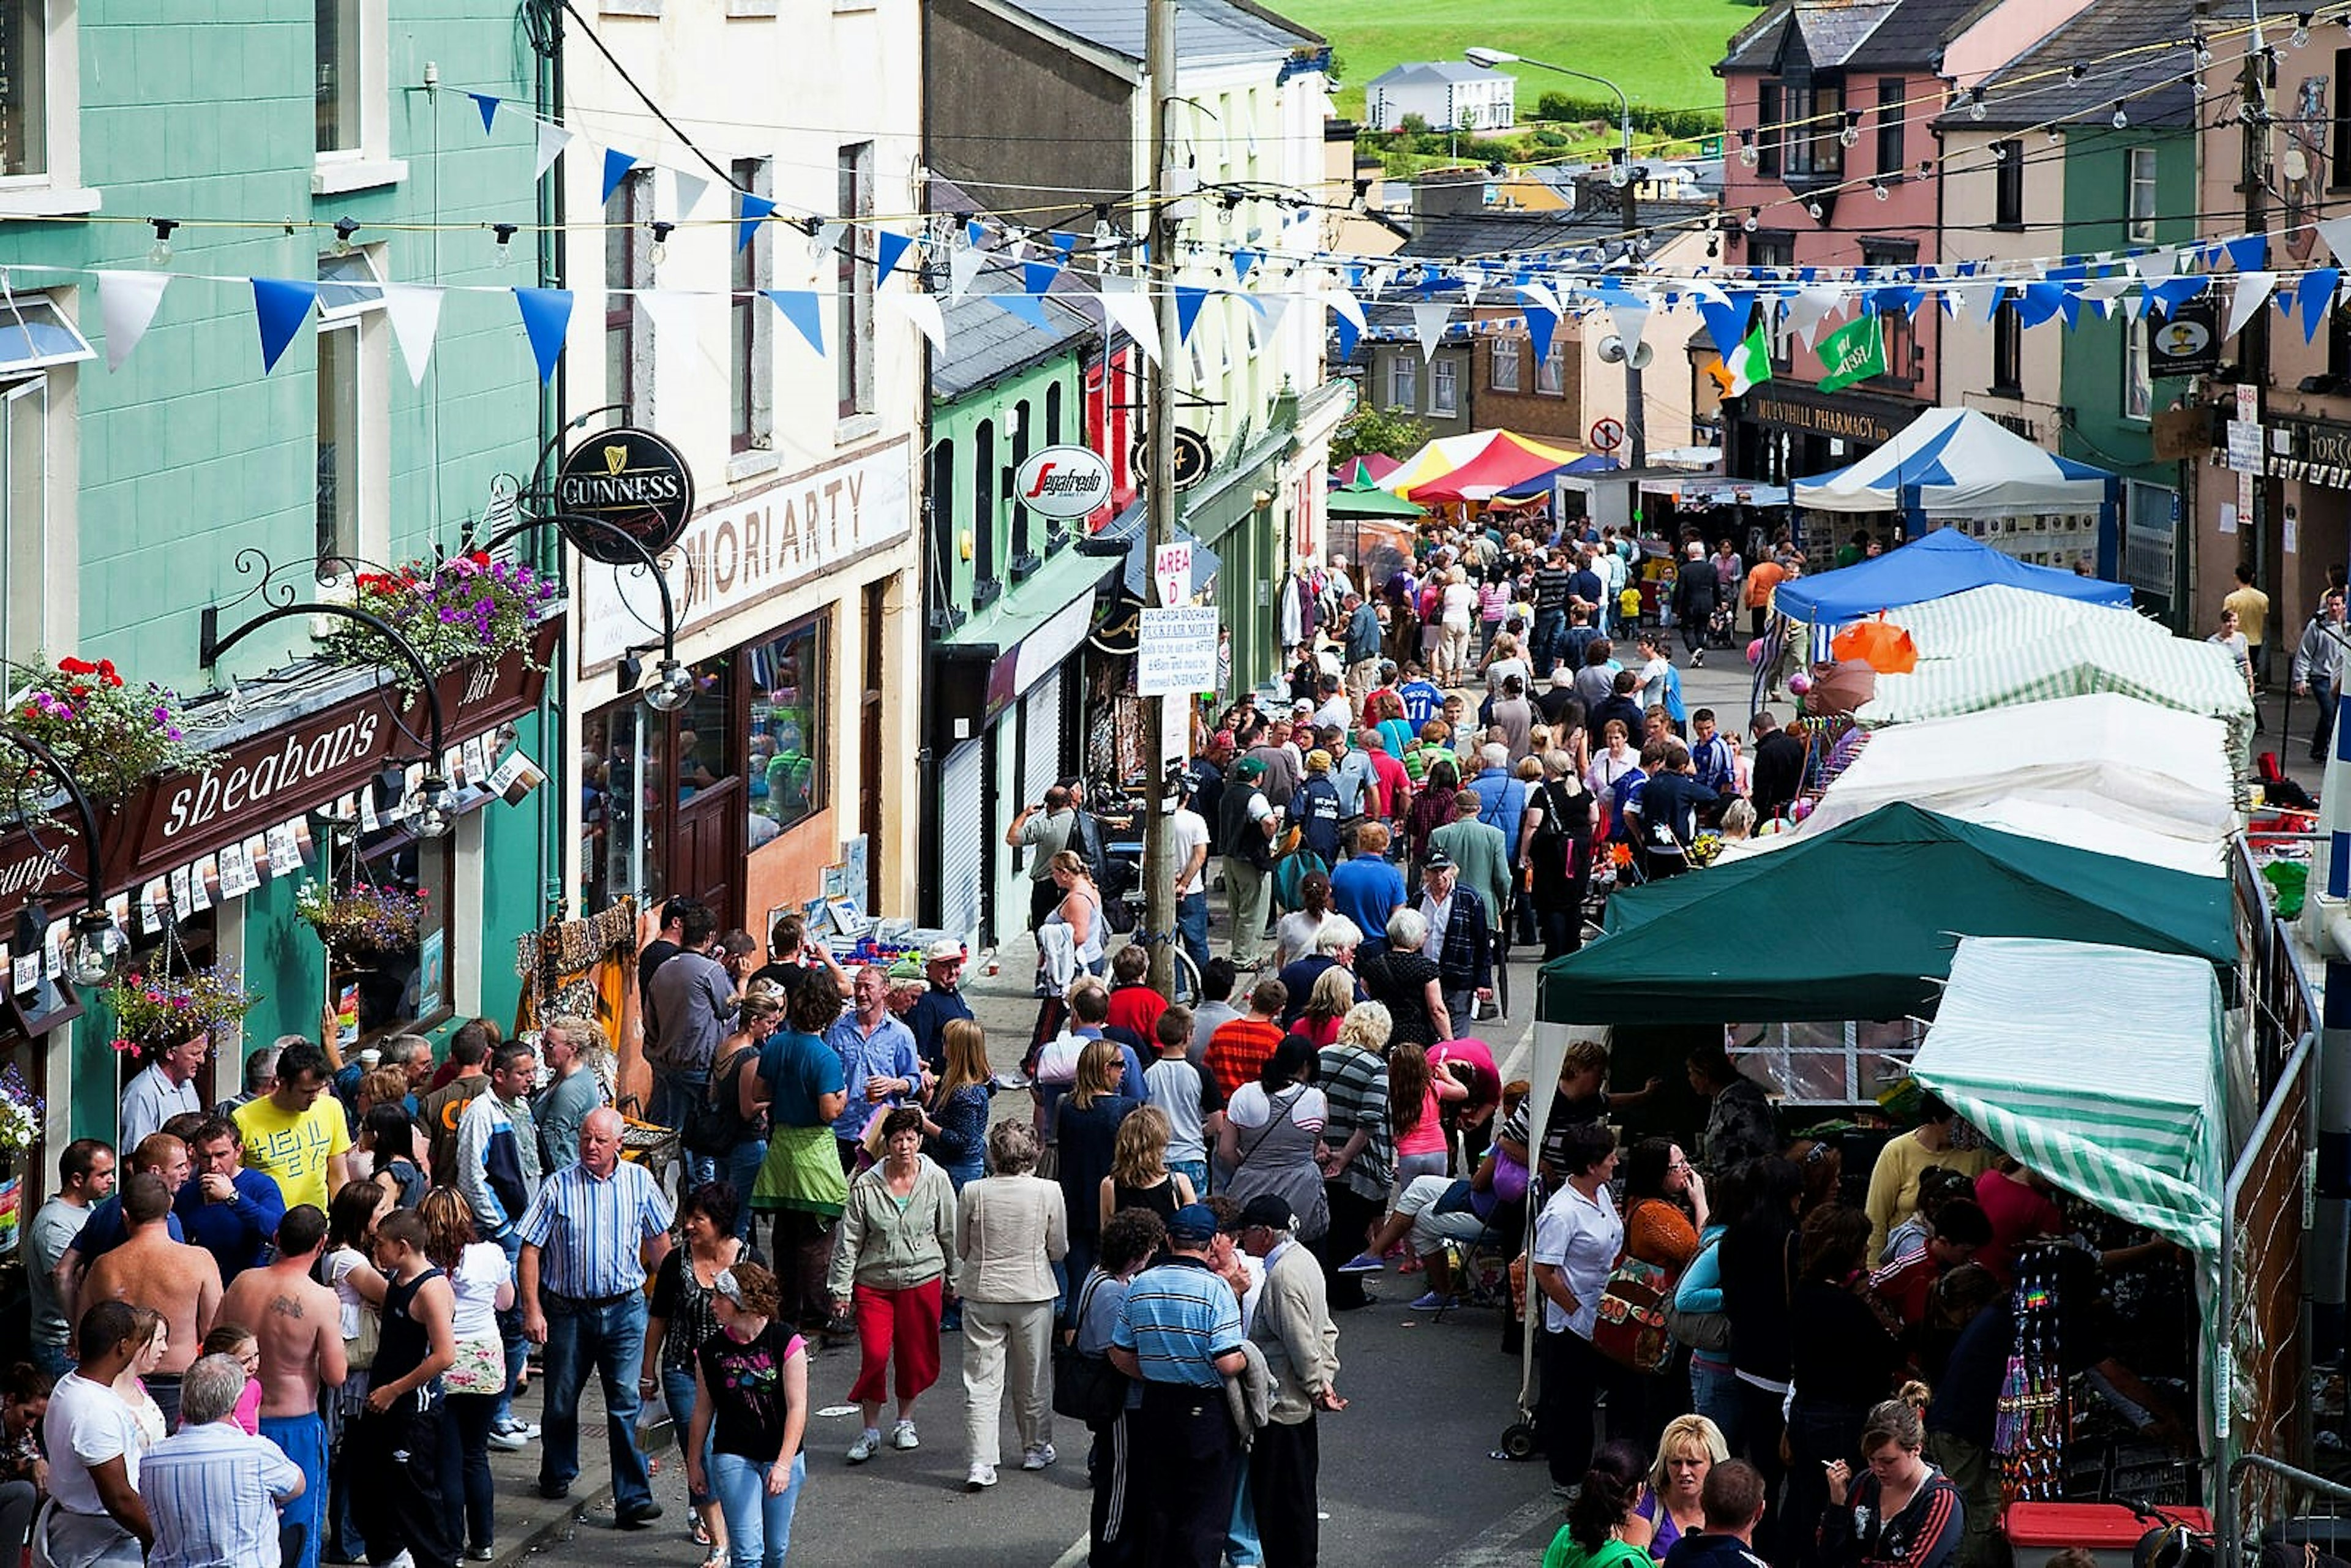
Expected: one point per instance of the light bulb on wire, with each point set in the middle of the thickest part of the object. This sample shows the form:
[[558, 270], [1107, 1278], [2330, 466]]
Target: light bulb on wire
[[1851, 135], [2300, 38], [160, 252], [1751, 222], [345, 228], [505, 234], [1975, 103], [1877, 189], [660, 251], [2122, 116], [1747, 153], [2203, 50]]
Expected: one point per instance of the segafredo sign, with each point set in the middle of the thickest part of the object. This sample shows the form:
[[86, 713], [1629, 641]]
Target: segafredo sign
[[1062, 482]]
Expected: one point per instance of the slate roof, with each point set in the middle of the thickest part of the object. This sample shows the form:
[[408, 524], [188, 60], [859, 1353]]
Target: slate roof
[[985, 343], [1417, 71], [1853, 35], [2107, 29], [1207, 31], [1472, 235]]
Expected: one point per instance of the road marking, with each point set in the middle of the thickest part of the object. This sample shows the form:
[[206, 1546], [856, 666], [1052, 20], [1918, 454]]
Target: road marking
[[1502, 1545], [1073, 1556]]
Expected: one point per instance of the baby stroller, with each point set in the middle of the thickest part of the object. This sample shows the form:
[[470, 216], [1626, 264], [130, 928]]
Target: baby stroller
[[1722, 626]]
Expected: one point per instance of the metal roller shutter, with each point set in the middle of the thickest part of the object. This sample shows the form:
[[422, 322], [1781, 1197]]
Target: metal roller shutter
[[960, 850], [1040, 739]]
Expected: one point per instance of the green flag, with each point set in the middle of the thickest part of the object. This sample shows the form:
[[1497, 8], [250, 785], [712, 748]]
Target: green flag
[[1853, 352]]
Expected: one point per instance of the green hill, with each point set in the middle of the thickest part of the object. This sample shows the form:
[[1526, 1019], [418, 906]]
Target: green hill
[[1661, 52]]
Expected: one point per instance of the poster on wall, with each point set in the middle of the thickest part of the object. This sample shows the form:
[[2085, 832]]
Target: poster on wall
[[12, 1203], [853, 866], [430, 965]]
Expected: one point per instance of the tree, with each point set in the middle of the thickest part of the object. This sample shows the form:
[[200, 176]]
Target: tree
[[1372, 429]]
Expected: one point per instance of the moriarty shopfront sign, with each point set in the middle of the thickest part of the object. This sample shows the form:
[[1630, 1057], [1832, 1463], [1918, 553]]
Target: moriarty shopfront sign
[[753, 547]]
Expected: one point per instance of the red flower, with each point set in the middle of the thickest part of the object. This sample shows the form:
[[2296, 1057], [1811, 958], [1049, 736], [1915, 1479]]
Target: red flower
[[106, 672], [77, 666], [480, 557], [78, 690]]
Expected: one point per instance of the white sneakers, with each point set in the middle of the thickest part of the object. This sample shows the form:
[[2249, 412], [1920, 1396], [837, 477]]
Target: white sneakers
[[979, 1478], [902, 1436], [868, 1443], [1038, 1458]]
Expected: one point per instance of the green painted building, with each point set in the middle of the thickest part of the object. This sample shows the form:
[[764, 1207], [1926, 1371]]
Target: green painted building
[[331, 144]]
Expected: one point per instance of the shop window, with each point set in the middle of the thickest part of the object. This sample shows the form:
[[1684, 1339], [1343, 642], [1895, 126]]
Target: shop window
[[706, 740], [789, 740], [853, 282], [618, 814], [627, 330], [404, 987], [1504, 359], [196, 940], [751, 370]]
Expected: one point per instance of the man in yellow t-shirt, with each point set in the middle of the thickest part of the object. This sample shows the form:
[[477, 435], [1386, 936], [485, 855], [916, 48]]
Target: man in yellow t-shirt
[[298, 1132], [2252, 608]]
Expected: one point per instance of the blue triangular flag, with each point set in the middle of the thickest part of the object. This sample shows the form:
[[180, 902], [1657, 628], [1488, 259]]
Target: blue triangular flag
[[889, 249], [1541, 325], [2310, 296], [281, 305], [1063, 243], [750, 211], [2039, 302], [2173, 292], [975, 231], [1189, 299], [545, 313], [1348, 334], [800, 309], [2247, 252], [617, 165], [1036, 276], [1028, 308], [1726, 322], [1243, 259], [488, 105]]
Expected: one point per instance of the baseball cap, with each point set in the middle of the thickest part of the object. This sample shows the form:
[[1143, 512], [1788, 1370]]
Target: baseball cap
[[1193, 1224], [945, 950], [1268, 1208], [1438, 861], [1249, 767]]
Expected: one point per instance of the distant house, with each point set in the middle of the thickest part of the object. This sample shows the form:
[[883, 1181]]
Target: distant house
[[1449, 96]]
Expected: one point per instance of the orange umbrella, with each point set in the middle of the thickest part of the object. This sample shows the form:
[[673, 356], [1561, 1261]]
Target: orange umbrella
[[1881, 644]]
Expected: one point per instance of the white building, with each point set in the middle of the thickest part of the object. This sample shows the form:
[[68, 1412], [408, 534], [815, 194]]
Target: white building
[[1446, 94], [796, 582]]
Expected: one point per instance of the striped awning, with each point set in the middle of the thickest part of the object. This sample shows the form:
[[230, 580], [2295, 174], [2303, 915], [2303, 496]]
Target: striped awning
[[2097, 1067]]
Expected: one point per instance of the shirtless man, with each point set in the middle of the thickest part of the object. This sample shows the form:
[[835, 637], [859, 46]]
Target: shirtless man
[[299, 1325], [152, 1270]]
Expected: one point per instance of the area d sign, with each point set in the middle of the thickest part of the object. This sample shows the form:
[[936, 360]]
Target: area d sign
[[1062, 482]]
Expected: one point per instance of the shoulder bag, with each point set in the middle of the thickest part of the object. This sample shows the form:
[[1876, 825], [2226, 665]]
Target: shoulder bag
[[1086, 1386], [1629, 1327]]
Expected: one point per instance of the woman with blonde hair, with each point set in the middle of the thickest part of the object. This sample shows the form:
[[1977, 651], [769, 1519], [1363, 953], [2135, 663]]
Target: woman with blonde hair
[[1139, 1176], [1326, 1004], [1457, 605], [958, 1116], [1690, 1447], [739, 1142], [1085, 1137], [1080, 909], [1556, 839], [1903, 1510]]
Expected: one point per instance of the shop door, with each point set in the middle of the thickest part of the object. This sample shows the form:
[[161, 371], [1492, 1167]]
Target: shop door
[[706, 851], [962, 864]]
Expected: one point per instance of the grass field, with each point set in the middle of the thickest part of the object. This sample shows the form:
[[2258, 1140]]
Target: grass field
[[1661, 52]]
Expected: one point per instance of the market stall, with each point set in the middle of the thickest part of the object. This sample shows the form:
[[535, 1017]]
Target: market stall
[[1962, 625]]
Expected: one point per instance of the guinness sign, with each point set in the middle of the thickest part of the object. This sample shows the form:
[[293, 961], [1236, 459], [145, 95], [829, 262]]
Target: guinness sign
[[631, 479]]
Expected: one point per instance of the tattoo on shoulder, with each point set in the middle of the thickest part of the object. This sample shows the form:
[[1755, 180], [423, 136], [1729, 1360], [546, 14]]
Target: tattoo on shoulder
[[285, 1306]]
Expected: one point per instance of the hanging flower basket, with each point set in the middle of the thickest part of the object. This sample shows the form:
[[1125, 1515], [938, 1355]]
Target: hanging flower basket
[[362, 917], [109, 734], [464, 608], [163, 1008], [21, 1113]]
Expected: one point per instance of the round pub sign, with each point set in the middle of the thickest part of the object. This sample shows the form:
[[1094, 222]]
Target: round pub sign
[[631, 479]]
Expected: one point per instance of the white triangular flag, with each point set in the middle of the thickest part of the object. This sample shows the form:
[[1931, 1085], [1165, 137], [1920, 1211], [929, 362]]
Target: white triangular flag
[[2158, 264], [1473, 283], [1346, 305], [1810, 305], [1125, 302], [923, 311], [2337, 232], [552, 140], [2107, 289], [2253, 290], [1631, 319], [1273, 307], [415, 312], [127, 303], [677, 317], [1428, 324], [685, 192], [964, 263]]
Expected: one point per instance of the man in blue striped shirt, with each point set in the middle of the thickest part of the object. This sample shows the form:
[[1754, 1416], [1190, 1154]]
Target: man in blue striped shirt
[[591, 1235], [1179, 1335], [212, 1491]]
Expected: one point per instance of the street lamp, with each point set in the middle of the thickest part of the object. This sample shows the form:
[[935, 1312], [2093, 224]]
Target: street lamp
[[1625, 178], [97, 945]]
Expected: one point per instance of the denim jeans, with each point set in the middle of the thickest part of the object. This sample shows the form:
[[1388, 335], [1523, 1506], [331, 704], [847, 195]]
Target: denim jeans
[[53, 1359], [678, 1392], [1713, 1394], [758, 1527], [612, 1340], [1550, 630], [741, 1171], [675, 1095], [510, 1337], [465, 1465], [1192, 926]]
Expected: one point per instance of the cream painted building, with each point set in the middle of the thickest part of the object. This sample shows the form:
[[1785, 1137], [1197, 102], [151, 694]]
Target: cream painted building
[[796, 583]]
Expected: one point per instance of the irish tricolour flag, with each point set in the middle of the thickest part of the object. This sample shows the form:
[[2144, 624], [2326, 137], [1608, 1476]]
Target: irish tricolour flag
[[1747, 365]]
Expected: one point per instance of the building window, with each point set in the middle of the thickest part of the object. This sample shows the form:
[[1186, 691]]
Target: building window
[[788, 737], [2138, 164], [38, 348], [1404, 382], [339, 79], [352, 487], [1768, 132], [1444, 382], [24, 86], [2138, 384], [853, 283], [1551, 375], [1024, 441], [1901, 336], [1773, 249], [628, 329], [1889, 125], [2006, 351], [1815, 118], [750, 347], [2008, 185], [984, 500], [1504, 363], [1053, 415], [614, 804]]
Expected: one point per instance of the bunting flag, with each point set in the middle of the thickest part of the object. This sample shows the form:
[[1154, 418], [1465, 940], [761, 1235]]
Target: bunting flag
[[1806, 310], [546, 315], [2173, 292], [1428, 324], [617, 165], [126, 302], [1345, 328], [1746, 366], [677, 316], [1036, 276], [685, 192], [889, 249], [923, 311], [488, 105], [750, 211], [2312, 297], [2252, 288], [1630, 318], [1726, 318], [1273, 308], [552, 140], [963, 266], [800, 309], [1064, 244], [1244, 258], [1125, 303], [280, 305], [2247, 253], [2337, 232], [1542, 325], [1028, 308], [1188, 300], [415, 311]]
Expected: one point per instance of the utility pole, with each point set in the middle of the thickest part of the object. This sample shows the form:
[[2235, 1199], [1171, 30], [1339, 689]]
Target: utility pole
[[1159, 502], [2254, 341], [1628, 212]]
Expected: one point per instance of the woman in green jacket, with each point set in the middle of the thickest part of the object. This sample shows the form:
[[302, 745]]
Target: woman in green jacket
[[1605, 1528], [895, 1268]]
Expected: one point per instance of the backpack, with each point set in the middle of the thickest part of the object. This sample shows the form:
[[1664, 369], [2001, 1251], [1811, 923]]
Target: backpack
[[715, 1123]]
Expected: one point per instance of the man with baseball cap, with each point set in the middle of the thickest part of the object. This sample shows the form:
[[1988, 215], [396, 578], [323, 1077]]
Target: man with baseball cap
[[1246, 827], [1300, 1345], [1179, 1335], [940, 1003]]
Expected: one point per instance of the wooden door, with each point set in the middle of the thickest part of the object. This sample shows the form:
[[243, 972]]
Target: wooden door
[[706, 849]]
